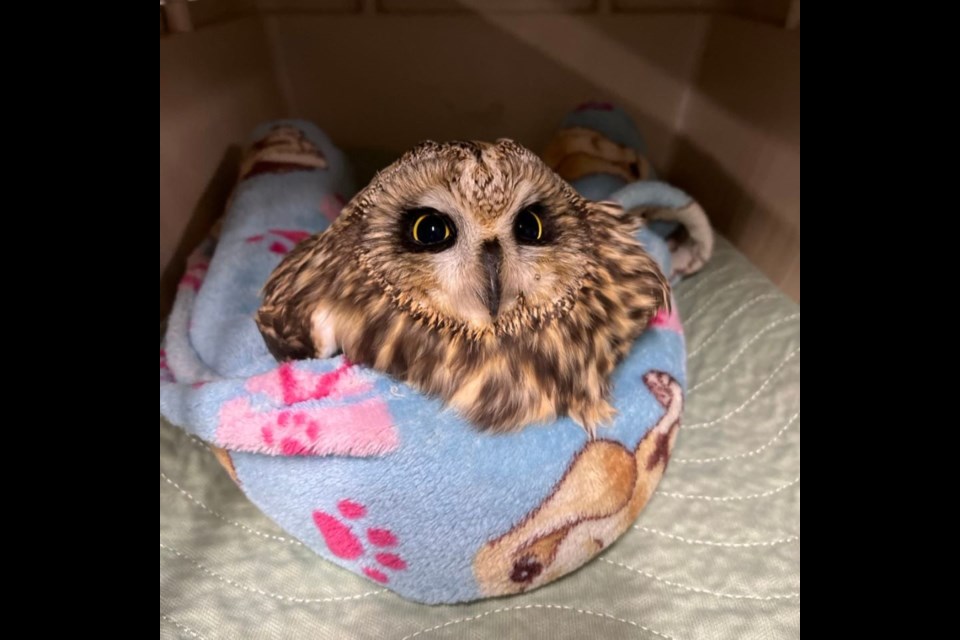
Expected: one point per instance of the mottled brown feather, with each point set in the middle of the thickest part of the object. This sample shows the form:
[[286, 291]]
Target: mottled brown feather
[[571, 310]]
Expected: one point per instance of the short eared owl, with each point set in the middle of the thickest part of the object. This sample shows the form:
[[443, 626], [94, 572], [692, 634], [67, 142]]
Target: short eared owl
[[473, 272]]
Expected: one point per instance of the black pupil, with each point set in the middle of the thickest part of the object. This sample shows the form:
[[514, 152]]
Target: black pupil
[[431, 230], [527, 226]]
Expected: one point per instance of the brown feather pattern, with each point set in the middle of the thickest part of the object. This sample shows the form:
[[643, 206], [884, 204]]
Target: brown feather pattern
[[571, 307]]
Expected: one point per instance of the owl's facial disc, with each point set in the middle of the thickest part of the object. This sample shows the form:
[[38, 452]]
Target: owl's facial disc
[[479, 268], [475, 233]]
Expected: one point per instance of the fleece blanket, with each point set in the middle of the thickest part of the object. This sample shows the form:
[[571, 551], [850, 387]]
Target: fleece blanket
[[383, 480]]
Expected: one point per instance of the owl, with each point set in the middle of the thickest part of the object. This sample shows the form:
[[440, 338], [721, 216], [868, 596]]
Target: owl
[[474, 273]]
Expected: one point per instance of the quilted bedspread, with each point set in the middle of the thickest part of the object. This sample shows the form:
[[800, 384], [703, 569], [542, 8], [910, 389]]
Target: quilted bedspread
[[716, 553]]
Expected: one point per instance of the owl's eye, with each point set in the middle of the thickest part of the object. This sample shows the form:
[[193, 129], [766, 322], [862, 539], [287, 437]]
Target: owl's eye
[[529, 226], [430, 229]]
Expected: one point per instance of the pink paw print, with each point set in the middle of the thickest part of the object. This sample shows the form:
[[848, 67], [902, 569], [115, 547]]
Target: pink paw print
[[194, 275], [289, 385], [362, 428], [291, 426], [344, 543], [281, 240]]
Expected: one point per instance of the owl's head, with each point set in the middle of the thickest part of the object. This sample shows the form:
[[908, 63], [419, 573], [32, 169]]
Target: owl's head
[[471, 233]]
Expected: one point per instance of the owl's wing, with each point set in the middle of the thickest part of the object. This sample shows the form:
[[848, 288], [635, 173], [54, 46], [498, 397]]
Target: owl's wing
[[630, 221], [634, 274], [292, 298]]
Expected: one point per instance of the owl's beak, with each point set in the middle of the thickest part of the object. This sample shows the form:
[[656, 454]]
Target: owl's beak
[[491, 258]]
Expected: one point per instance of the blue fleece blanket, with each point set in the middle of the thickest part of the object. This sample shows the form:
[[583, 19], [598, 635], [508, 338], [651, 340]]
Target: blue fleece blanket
[[375, 476]]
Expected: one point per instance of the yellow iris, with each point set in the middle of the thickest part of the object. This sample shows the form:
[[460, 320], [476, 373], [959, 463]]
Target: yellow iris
[[416, 227], [539, 225]]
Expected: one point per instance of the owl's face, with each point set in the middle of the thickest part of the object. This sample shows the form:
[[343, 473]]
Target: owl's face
[[474, 233]]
